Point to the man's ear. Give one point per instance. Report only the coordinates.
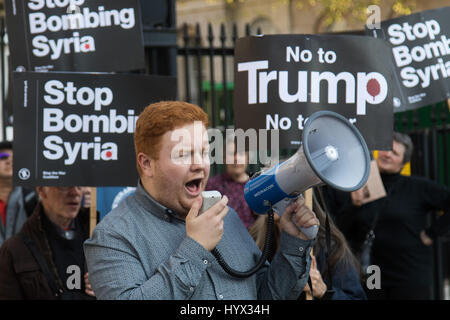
(41, 192)
(146, 164)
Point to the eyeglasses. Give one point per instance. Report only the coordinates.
(4, 155)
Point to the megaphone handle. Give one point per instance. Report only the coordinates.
(310, 232)
(279, 207)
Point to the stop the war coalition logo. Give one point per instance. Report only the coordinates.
(420, 50)
(77, 129)
(282, 79)
(75, 35)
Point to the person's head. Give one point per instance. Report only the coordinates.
(393, 161)
(172, 153)
(6, 160)
(61, 204)
(236, 161)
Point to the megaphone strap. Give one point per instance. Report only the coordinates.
(327, 236)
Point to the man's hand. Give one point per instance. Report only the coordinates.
(302, 217)
(207, 228)
(357, 197)
(426, 240)
(88, 289)
(319, 286)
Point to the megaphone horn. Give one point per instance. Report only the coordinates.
(333, 152)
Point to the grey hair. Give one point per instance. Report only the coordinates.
(405, 140)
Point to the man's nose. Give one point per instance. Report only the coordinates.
(386, 153)
(75, 191)
(389, 153)
(199, 162)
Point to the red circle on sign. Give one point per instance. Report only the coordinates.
(373, 88)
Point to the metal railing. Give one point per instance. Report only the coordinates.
(199, 60)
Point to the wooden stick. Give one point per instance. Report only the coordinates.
(308, 195)
(93, 211)
(309, 295)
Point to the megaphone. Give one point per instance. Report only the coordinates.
(333, 152)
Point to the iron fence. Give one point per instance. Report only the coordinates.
(204, 85)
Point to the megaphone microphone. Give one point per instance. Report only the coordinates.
(333, 152)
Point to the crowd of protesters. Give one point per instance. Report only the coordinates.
(157, 245)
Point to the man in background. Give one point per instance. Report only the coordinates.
(45, 260)
(401, 247)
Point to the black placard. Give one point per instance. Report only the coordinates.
(420, 51)
(75, 35)
(77, 128)
(280, 80)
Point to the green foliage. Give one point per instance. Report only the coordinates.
(333, 11)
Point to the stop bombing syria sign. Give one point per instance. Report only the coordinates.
(280, 80)
(420, 51)
(77, 128)
(75, 35)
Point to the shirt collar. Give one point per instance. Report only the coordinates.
(153, 206)
(68, 234)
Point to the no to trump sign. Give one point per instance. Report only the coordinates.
(280, 80)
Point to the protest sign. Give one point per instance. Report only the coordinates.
(420, 51)
(372, 190)
(75, 35)
(280, 80)
(77, 128)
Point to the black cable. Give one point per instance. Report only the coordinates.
(262, 260)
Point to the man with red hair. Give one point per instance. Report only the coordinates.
(156, 245)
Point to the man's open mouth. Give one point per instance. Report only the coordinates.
(194, 186)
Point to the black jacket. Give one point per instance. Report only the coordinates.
(397, 249)
(21, 276)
